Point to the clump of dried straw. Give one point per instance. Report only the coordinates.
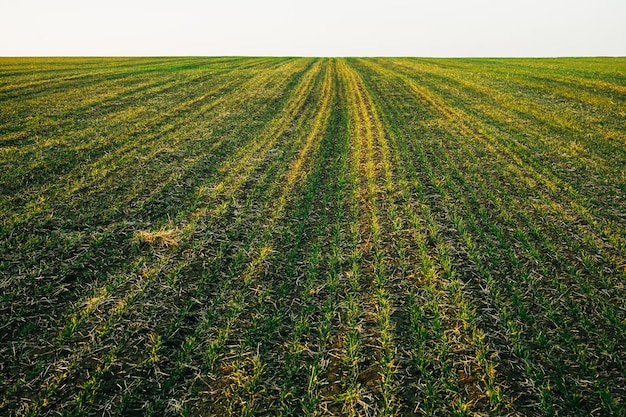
(163, 238)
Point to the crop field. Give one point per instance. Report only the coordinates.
(308, 237)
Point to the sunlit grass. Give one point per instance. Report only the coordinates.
(282, 236)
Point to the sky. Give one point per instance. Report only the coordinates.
(425, 28)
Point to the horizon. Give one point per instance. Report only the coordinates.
(318, 57)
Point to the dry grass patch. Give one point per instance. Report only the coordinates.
(163, 238)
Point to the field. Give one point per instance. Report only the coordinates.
(294, 236)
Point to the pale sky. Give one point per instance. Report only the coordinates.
(436, 28)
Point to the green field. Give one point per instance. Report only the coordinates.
(291, 236)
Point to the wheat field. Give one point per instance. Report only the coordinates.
(305, 237)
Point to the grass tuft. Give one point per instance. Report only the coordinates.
(163, 238)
